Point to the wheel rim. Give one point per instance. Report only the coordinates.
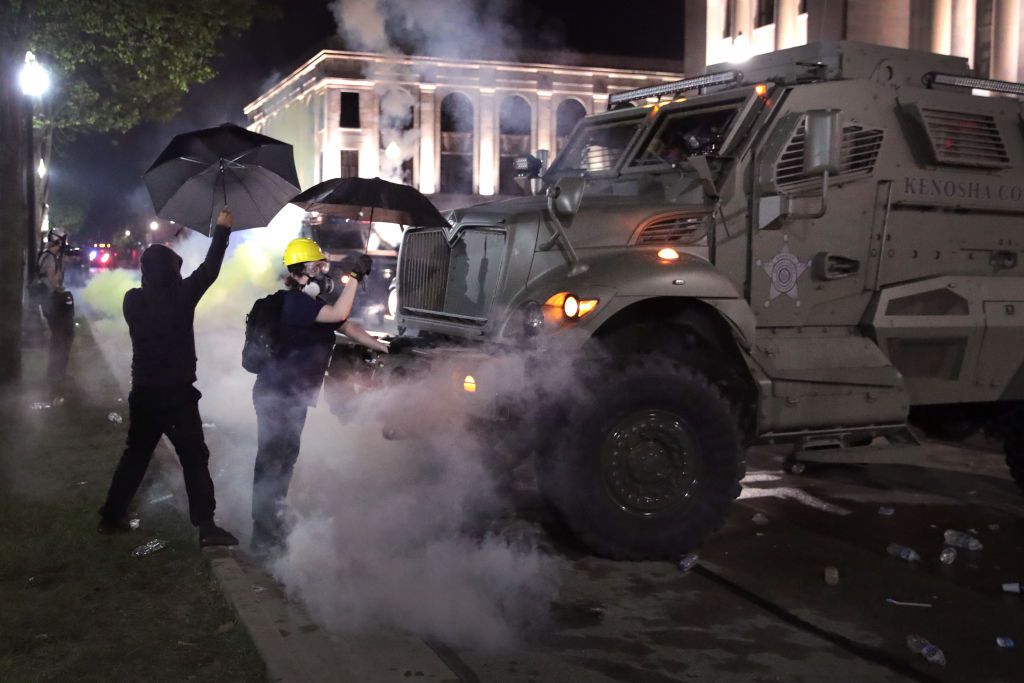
(650, 462)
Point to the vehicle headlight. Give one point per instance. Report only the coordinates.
(393, 302)
(566, 306)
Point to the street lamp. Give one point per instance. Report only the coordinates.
(34, 81)
(127, 233)
(153, 225)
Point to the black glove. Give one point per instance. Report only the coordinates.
(399, 344)
(362, 267)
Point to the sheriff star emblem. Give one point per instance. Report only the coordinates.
(784, 270)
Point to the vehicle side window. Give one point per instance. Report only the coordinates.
(686, 133)
(598, 148)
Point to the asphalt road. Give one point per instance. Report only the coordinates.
(757, 607)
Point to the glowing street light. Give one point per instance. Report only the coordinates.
(34, 79)
(127, 233)
(153, 225)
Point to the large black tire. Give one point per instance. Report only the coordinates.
(648, 465)
(1013, 446)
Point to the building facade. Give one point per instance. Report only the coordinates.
(448, 127)
(986, 32)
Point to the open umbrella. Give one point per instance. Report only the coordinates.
(371, 199)
(201, 172)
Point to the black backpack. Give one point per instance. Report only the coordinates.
(262, 332)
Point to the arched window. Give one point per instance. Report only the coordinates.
(457, 124)
(515, 124)
(399, 136)
(568, 115)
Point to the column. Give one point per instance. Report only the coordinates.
(488, 170)
(942, 26)
(545, 122)
(331, 134)
(429, 157)
(369, 117)
(962, 43)
(744, 29)
(786, 12)
(1005, 40)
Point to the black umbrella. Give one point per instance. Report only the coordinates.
(201, 172)
(371, 199)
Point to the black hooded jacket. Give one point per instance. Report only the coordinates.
(161, 312)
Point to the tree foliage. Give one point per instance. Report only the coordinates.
(117, 62)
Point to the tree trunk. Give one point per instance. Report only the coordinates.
(13, 216)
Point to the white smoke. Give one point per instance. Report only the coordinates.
(392, 534)
(467, 29)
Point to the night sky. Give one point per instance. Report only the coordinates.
(103, 171)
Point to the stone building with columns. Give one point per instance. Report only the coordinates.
(449, 127)
(986, 32)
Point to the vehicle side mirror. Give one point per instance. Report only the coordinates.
(565, 197)
(822, 142)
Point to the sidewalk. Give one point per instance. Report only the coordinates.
(77, 605)
(293, 648)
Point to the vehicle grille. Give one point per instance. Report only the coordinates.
(674, 229)
(858, 154)
(454, 282)
(424, 270)
(965, 139)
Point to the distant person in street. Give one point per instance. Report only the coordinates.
(289, 384)
(163, 399)
(58, 307)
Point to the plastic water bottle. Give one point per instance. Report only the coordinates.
(923, 647)
(903, 552)
(959, 539)
(948, 555)
(688, 562)
(1005, 642)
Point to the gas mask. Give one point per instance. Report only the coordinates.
(319, 285)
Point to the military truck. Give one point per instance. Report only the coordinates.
(812, 248)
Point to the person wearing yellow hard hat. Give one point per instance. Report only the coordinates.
(288, 382)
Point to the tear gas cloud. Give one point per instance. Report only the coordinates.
(403, 535)
(440, 28)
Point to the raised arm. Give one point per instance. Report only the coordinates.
(200, 280)
(339, 311)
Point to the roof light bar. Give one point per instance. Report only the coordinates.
(675, 87)
(974, 83)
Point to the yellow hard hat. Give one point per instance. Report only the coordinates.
(302, 250)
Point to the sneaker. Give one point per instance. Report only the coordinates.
(211, 534)
(108, 528)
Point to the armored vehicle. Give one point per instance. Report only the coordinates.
(816, 247)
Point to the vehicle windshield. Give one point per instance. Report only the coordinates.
(686, 133)
(597, 147)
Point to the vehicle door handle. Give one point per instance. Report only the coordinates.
(828, 266)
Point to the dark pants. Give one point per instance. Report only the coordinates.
(59, 309)
(153, 413)
(279, 423)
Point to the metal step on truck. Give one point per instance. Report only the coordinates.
(817, 247)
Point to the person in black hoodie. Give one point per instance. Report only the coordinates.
(163, 399)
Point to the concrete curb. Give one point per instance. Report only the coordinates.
(295, 649)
